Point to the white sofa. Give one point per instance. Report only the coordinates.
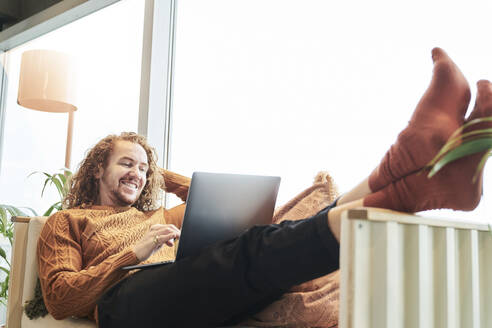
(26, 233)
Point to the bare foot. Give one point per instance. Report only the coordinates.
(439, 113)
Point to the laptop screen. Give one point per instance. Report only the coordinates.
(222, 206)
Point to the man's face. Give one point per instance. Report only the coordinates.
(121, 182)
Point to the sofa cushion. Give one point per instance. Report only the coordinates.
(313, 303)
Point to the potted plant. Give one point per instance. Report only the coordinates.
(61, 182)
(7, 232)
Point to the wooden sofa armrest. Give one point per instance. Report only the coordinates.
(20, 219)
(17, 269)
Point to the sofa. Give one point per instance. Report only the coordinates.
(319, 195)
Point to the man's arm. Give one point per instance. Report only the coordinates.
(175, 183)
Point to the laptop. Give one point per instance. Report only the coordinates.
(220, 207)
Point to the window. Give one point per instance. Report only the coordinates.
(108, 46)
(288, 88)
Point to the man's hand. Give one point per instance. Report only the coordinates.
(158, 235)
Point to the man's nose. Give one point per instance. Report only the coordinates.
(135, 171)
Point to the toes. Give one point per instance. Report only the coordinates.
(483, 83)
(483, 103)
(438, 54)
(449, 91)
(484, 96)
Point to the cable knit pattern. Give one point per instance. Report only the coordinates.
(80, 253)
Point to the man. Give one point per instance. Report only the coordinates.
(112, 222)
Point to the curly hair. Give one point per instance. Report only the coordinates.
(84, 186)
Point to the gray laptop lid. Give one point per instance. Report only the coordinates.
(221, 206)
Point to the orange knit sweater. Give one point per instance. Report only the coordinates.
(81, 251)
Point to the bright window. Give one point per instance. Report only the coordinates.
(290, 88)
(108, 48)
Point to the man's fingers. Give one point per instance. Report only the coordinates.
(167, 229)
(163, 227)
(166, 238)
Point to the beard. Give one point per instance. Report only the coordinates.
(118, 191)
(124, 199)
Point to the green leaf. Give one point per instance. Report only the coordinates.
(3, 225)
(7, 227)
(14, 211)
(465, 149)
(2, 253)
(3, 213)
(34, 213)
(56, 205)
(470, 123)
(3, 217)
(59, 180)
(481, 165)
(4, 288)
(457, 136)
(457, 141)
(9, 210)
(35, 172)
(62, 178)
(44, 186)
(7, 271)
(58, 185)
(20, 212)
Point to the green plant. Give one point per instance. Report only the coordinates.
(61, 182)
(463, 144)
(7, 230)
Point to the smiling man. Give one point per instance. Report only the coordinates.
(113, 219)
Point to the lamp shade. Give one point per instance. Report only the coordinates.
(47, 81)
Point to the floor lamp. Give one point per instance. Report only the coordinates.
(47, 83)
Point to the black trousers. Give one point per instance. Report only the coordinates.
(225, 282)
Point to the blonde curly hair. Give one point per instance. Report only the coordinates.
(84, 186)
